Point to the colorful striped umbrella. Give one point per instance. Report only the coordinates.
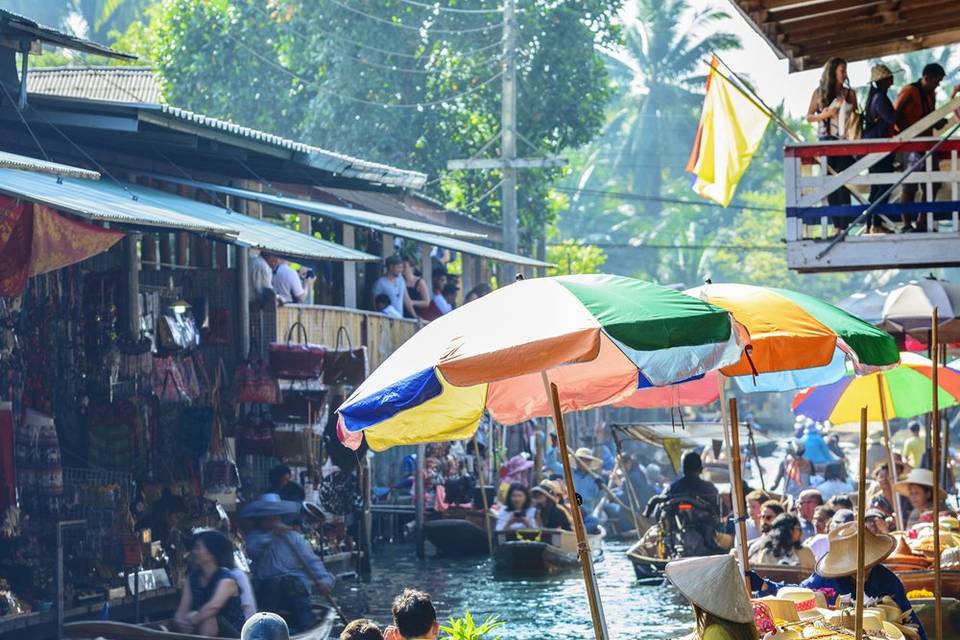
(796, 340)
(907, 392)
(598, 337)
(695, 393)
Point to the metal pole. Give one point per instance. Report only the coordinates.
(739, 508)
(243, 298)
(861, 530)
(586, 561)
(935, 465)
(24, 70)
(367, 518)
(133, 284)
(419, 497)
(508, 136)
(891, 461)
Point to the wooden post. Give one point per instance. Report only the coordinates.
(861, 530)
(420, 499)
(540, 443)
(349, 270)
(891, 461)
(483, 493)
(736, 494)
(586, 561)
(935, 465)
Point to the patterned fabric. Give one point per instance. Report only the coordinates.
(39, 469)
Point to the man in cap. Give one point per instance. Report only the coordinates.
(285, 568)
(879, 122)
(837, 570)
(265, 626)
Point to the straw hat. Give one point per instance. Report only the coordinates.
(784, 611)
(550, 488)
(805, 601)
(879, 72)
(874, 621)
(713, 583)
(922, 477)
(585, 456)
(270, 504)
(841, 558)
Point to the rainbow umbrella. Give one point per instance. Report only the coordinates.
(907, 392)
(598, 338)
(796, 340)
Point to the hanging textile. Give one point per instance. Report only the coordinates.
(35, 239)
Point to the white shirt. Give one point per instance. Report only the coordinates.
(247, 600)
(393, 290)
(830, 488)
(392, 312)
(261, 277)
(503, 517)
(287, 284)
(819, 544)
(442, 303)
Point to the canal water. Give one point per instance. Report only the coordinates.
(553, 608)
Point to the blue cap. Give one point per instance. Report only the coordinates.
(265, 626)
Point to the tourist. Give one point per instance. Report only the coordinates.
(282, 484)
(822, 517)
(392, 285)
(882, 488)
(794, 471)
(837, 570)
(916, 101)
(816, 449)
(285, 568)
(477, 292)
(261, 281)
(417, 289)
(818, 543)
(831, 105)
(210, 600)
(361, 629)
(918, 488)
(755, 500)
(585, 481)
(381, 304)
(834, 481)
(690, 484)
(914, 446)
(551, 512)
(636, 476)
(770, 510)
(876, 521)
(288, 286)
(879, 121)
(840, 501)
(265, 626)
(721, 610)
(414, 617)
(439, 281)
(808, 502)
(783, 545)
(449, 294)
(518, 512)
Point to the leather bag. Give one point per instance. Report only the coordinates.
(345, 366)
(254, 382)
(298, 360)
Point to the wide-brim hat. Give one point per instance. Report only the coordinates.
(517, 464)
(714, 584)
(922, 477)
(550, 488)
(841, 556)
(270, 504)
(804, 600)
(585, 456)
(879, 72)
(784, 611)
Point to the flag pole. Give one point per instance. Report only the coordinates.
(751, 95)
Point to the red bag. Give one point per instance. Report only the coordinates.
(345, 366)
(253, 382)
(255, 435)
(297, 360)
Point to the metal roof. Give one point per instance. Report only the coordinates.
(134, 205)
(418, 231)
(26, 163)
(14, 26)
(110, 84)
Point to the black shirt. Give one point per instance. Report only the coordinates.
(693, 487)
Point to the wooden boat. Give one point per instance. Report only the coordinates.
(458, 534)
(541, 551)
(923, 579)
(108, 630)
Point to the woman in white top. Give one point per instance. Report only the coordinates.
(518, 512)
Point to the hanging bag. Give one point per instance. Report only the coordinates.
(255, 434)
(297, 360)
(345, 366)
(218, 474)
(254, 382)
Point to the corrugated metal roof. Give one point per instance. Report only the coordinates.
(110, 201)
(12, 24)
(420, 232)
(355, 217)
(110, 84)
(26, 163)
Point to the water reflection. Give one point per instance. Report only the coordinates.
(534, 608)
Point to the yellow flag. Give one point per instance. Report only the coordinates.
(730, 131)
(673, 449)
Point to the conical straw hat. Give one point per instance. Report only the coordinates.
(713, 583)
(841, 558)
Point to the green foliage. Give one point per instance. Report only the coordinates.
(573, 256)
(466, 629)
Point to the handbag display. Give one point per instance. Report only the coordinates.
(219, 475)
(177, 332)
(297, 360)
(300, 406)
(345, 366)
(296, 444)
(217, 330)
(255, 435)
(254, 382)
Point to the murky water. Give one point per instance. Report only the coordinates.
(552, 608)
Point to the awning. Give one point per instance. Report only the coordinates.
(26, 163)
(418, 231)
(692, 434)
(134, 205)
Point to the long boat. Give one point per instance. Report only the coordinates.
(107, 630)
(458, 533)
(542, 551)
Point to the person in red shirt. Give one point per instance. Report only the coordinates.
(916, 101)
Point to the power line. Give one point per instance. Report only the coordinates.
(410, 105)
(440, 8)
(622, 195)
(627, 245)
(400, 25)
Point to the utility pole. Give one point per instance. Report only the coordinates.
(508, 163)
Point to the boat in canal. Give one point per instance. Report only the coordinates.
(109, 630)
(542, 551)
(458, 533)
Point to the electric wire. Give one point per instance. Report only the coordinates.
(16, 108)
(442, 9)
(420, 29)
(622, 195)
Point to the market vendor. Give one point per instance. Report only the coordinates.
(837, 570)
(285, 568)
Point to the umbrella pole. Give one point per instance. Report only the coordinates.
(861, 531)
(635, 508)
(586, 561)
(891, 461)
(483, 493)
(935, 465)
(739, 508)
